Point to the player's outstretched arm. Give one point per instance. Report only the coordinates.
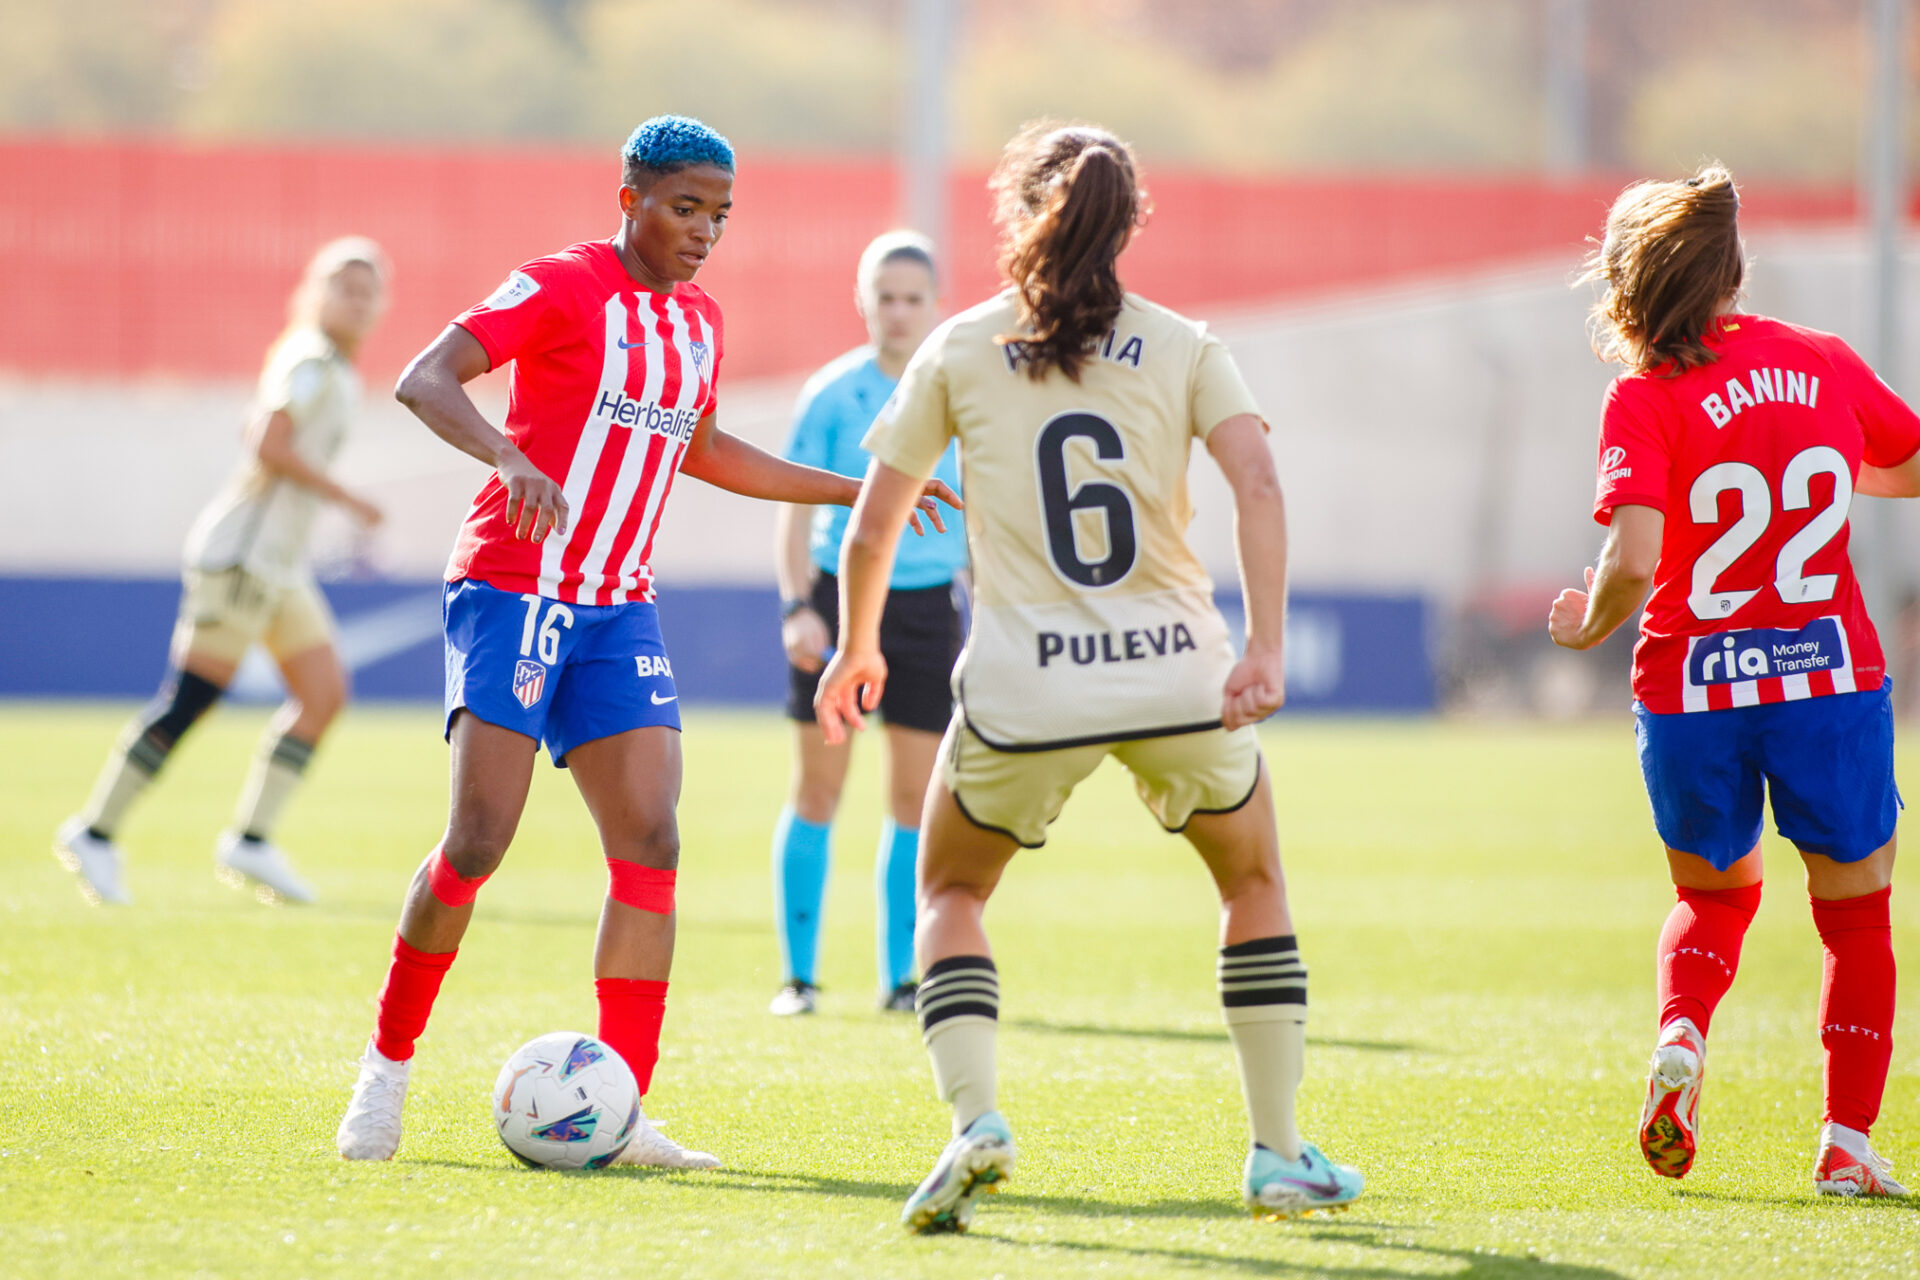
(854, 679)
(1617, 589)
(728, 462)
(434, 387)
(1257, 685)
(271, 438)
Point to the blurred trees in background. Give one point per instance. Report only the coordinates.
(1770, 86)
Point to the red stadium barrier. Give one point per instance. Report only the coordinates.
(138, 258)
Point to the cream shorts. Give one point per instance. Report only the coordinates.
(1020, 793)
(224, 612)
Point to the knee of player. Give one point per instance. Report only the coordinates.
(179, 705)
(905, 801)
(475, 849)
(815, 801)
(1251, 878)
(320, 705)
(937, 889)
(654, 845)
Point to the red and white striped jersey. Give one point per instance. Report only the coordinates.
(609, 381)
(1753, 460)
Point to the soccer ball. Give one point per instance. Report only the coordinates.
(566, 1101)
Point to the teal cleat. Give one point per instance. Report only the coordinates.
(980, 1159)
(1279, 1188)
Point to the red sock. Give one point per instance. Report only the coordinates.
(407, 999)
(631, 1010)
(1700, 950)
(1856, 1004)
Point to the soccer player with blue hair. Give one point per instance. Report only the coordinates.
(551, 631)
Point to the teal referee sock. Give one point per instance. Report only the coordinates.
(801, 852)
(893, 883)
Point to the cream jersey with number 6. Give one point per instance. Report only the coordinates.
(1093, 619)
(260, 522)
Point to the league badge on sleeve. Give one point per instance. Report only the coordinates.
(529, 681)
(514, 290)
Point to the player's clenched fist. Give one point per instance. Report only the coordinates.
(1256, 688)
(1569, 616)
(535, 503)
(805, 638)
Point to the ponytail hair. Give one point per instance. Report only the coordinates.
(1068, 198)
(1671, 256)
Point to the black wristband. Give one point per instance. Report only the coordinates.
(792, 605)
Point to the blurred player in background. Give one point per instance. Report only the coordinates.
(1094, 633)
(247, 580)
(551, 631)
(1730, 452)
(897, 291)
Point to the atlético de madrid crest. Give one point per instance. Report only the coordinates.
(700, 355)
(529, 680)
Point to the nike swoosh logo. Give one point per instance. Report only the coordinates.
(1330, 1187)
(659, 701)
(628, 346)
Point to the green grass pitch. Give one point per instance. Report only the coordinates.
(1478, 905)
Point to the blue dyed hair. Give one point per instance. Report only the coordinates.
(668, 144)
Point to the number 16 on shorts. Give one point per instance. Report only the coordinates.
(561, 673)
(530, 677)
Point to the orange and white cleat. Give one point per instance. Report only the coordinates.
(1670, 1120)
(1847, 1166)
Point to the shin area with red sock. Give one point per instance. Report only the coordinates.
(1700, 950)
(1856, 1004)
(414, 978)
(413, 981)
(632, 1009)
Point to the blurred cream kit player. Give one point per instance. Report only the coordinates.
(246, 580)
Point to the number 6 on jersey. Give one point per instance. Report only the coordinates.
(1059, 504)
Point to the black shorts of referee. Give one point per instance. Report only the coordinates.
(919, 638)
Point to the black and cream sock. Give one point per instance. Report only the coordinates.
(959, 1006)
(144, 747)
(277, 769)
(1263, 988)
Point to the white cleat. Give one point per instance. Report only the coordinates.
(371, 1128)
(95, 861)
(979, 1160)
(1847, 1166)
(797, 997)
(651, 1149)
(238, 860)
(1670, 1117)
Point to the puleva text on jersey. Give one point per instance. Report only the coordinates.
(1133, 644)
(1779, 386)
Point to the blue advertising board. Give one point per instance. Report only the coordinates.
(107, 638)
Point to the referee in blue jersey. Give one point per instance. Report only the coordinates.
(898, 294)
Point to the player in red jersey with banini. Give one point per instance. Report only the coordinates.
(551, 633)
(1730, 452)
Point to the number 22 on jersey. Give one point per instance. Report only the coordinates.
(1706, 600)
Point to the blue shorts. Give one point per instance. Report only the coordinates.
(1826, 764)
(562, 674)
